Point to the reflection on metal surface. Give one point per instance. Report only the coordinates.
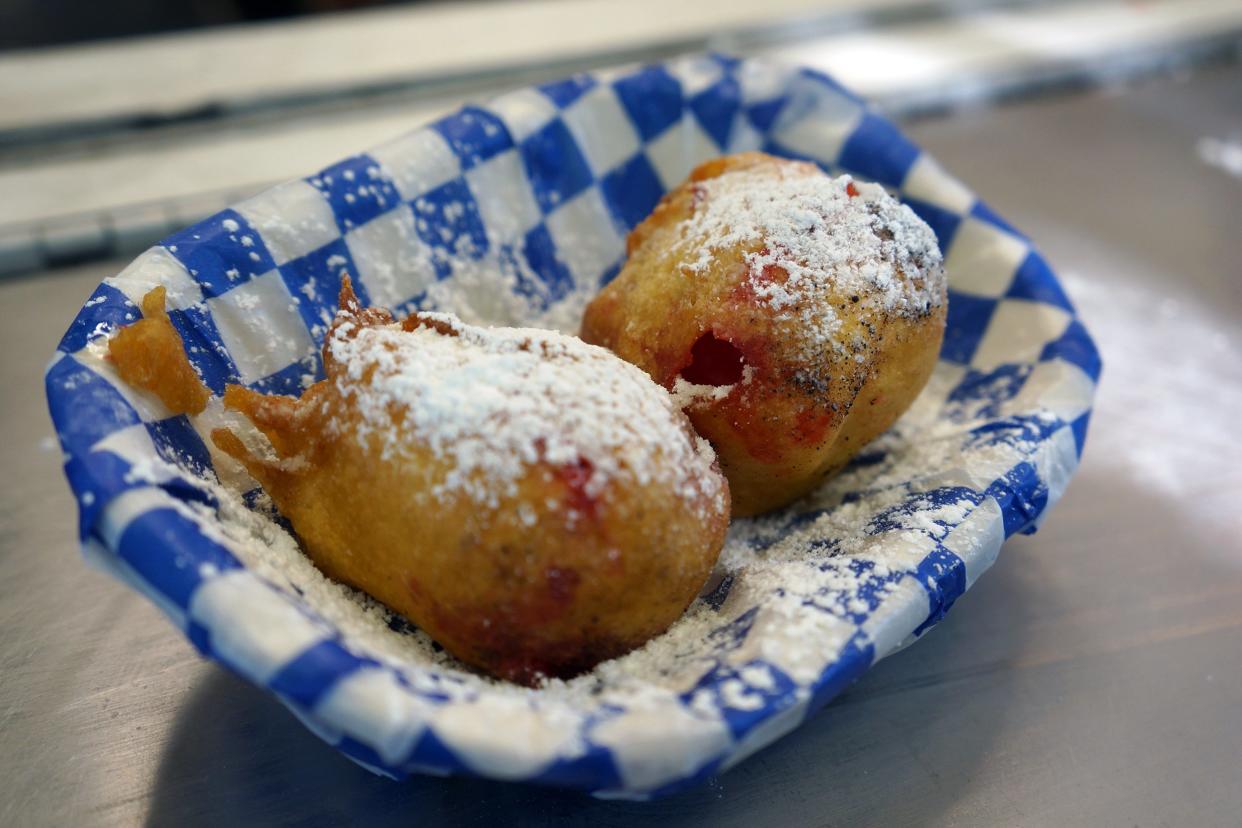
(1182, 399)
(1224, 154)
(1115, 69)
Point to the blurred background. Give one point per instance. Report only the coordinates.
(123, 121)
(25, 23)
(1094, 677)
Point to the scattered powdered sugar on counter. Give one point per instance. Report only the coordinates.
(1224, 154)
(497, 400)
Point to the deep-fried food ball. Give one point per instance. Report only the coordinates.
(533, 503)
(795, 315)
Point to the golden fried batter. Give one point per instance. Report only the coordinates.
(533, 503)
(149, 354)
(794, 315)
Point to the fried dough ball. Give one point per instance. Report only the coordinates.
(533, 503)
(794, 315)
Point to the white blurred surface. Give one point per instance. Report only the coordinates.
(91, 181)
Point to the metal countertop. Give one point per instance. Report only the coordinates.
(1092, 677)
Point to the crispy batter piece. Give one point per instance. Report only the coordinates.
(150, 355)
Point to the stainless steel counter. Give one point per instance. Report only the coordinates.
(1093, 677)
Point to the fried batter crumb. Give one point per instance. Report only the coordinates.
(150, 355)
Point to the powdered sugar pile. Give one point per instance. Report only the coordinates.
(494, 401)
(830, 237)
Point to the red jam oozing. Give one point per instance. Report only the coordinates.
(850, 189)
(500, 635)
(698, 194)
(575, 476)
(714, 362)
(811, 426)
(562, 583)
(754, 278)
(756, 435)
(768, 274)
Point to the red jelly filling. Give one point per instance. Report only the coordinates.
(714, 362)
(575, 476)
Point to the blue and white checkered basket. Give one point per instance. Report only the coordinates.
(550, 179)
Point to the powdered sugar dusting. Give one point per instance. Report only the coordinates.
(790, 591)
(795, 592)
(809, 237)
(688, 395)
(497, 400)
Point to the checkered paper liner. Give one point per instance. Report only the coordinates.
(549, 180)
